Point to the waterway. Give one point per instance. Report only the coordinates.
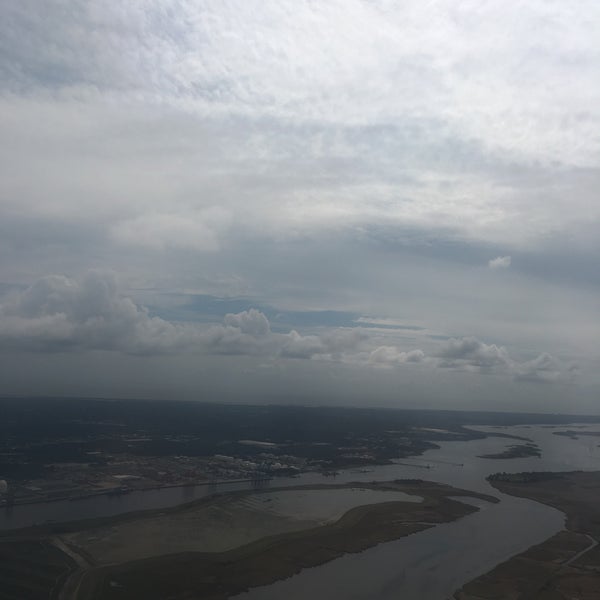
(433, 564)
(429, 565)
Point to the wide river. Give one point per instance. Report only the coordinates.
(429, 565)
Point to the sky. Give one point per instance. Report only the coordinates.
(359, 202)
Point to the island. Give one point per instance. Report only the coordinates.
(516, 451)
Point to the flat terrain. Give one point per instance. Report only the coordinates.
(270, 557)
(567, 566)
(225, 522)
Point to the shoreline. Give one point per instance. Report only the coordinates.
(118, 492)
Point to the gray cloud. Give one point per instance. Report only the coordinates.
(500, 262)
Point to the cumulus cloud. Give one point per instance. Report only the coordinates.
(246, 332)
(500, 262)
(61, 314)
(251, 321)
(298, 346)
(392, 356)
(544, 369)
(333, 344)
(471, 354)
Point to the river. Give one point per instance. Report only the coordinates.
(429, 565)
(433, 564)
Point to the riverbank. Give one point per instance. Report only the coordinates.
(124, 491)
(565, 566)
(219, 575)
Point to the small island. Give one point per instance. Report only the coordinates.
(516, 451)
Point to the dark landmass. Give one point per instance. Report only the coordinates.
(565, 566)
(219, 575)
(516, 451)
(56, 448)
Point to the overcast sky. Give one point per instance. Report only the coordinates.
(341, 201)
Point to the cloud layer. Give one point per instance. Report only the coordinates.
(58, 314)
(423, 176)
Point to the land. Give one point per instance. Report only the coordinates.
(225, 522)
(566, 566)
(54, 449)
(68, 448)
(516, 451)
(255, 557)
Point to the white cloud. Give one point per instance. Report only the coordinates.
(252, 321)
(471, 354)
(469, 351)
(544, 368)
(391, 356)
(322, 63)
(332, 344)
(60, 314)
(294, 117)
(500, 262)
